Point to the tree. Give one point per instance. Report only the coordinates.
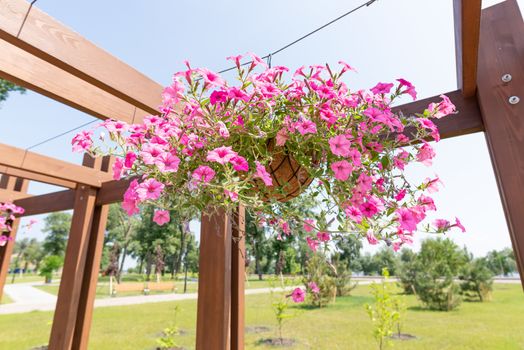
(386, 258)
(368, 265)
(56, 227)
(257, 243)
(6, 87)
(34, 254)
(349, 247)
(501, 262)
(477, 279)
(20, 250)
(50, 264)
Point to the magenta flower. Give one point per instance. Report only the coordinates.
(459, 225)
(307, 127)
(211, 78)
(167, 163)
(345, 67)
(407, 219)
(150, 189)
(368, 209)
(173, 93)
(425, 154)
(161, 217)
(203, 174)
(442, 224)
(298, 295)
(442, 109)
(342, 169)
(282, 137)
(236, 59)
(312, 243)
(382, 88)
(130, 201)
(129, 159)
(371, 238)
(222, 155)
(410, 89)
(314, 288)
(118, 166)
(354, 214)
(82, 142)
(340, 145)
(323, 236)
(232, 195)
(263, 174)
(240, 163)
(309, 225)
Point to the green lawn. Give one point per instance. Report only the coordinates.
(6, 299)
(344, 325)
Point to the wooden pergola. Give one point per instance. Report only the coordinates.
(43, 55)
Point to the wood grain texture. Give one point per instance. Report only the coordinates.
(66, 311)
(36, 177)
(45, 37)
(238, 276)
(24, 69)
(33, 162)
(502, 51)
(214, 282)
(11, 196)
(12, 184)
(47, 203)
(468, 119)
(466, 15)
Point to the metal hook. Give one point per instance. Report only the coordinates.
(269, 60)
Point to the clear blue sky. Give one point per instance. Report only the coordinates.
(411, 39)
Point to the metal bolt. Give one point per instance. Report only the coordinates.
(514, 100)
(506, 78)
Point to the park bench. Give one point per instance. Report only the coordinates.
(145, 287)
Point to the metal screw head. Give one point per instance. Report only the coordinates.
(506, 78)
(514, 100)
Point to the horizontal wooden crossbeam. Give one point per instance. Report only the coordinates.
(30, 29)
(47, 203)
(17, 158)
(36, 177)
(10, 196)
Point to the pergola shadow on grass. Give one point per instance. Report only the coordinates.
(41, 54)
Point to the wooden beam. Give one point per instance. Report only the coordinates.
(33, 162)
(47, 203)
(112, 191)
(11, 196)
(214, 282)
(66, 311)
(7, 251)
(466, 14)
(92, 265)
(502, 52)
(468, 119)
(32, 30)
(36, 177)
(238, 276)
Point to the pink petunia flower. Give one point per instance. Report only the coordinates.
(282, 137)
(459, 225)
(211, 78)
(263, 174)
(371, 238)
(161, 217)
(222, 155)
(203, 174)
(150, 189)
(232, 195)
(442, 224)
(82, 141)
(408, 219)
(314, 288)
(342, 169)
(426, 154)
(312, 243)
(306, 127)
(240, 163)
(410, 88)
(309, 225)
(298, 295)
(323, 236)
(118, 166)
(340, 145)
(382, 88)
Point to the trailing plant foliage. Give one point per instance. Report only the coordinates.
(7, 216)
(213, 146)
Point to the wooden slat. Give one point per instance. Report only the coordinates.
(92, 265)
(47, 203)
(11, 196)
(214, 282)
(7, 251)
(71, 282)
(467, 121)
(112, 191)
(48, 39)
(24, 69)
(29, 161)
(36, 177)
(238, 275)
(502, 51)
(466, 14)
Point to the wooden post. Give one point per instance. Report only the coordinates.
(501, 52)
(238, 274)
(19, 185)
(92, 267)
(214, 282)
(72, 281)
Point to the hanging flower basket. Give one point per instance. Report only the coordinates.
(273, 136)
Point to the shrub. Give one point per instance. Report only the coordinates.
(477, 280)
(320, 273)
(50, 264)
(342, 277)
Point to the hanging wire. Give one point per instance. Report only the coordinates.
(267, 57)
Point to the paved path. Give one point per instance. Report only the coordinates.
(27, 298)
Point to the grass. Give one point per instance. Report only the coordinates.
(6, 299)
(344, 325)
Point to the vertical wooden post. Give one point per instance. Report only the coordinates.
(238, 272)
(501, 51)
(214, 282)
(14, 184)
(92, 267)
(66, 312)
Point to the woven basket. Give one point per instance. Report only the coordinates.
(285, 172)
